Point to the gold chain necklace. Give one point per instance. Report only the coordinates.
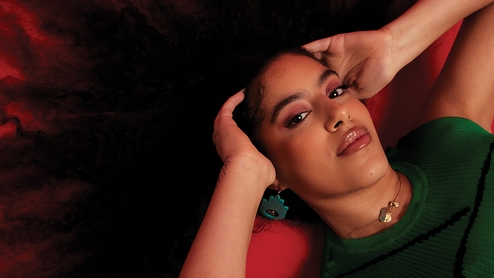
(384, 213)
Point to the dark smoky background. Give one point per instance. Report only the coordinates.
(113, 171)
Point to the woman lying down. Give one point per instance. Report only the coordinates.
(422, 209)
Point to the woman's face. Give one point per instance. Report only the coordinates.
(321, 140)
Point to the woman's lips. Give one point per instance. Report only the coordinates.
(354, 140)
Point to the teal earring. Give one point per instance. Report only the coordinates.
(273, 208)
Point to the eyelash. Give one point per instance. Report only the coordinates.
(297, 119)
(343, 88)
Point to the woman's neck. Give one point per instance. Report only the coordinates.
(356, 215)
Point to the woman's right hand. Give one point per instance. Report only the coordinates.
(239, 155)
(364, 60)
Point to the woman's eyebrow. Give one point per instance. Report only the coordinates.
(284, 102)
(324, 75)
(291, 98)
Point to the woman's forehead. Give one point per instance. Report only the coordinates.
(294, 60)
(290, 72)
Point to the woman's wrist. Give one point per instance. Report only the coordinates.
(253, 175)
(405, 41)
(415, 30)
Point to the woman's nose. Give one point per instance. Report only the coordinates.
(337, 115)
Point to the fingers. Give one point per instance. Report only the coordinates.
(226, 111)
(232, 102)
(318, 46)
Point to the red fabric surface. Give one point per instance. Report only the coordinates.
(284, 249)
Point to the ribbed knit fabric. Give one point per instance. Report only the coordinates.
(448, 229)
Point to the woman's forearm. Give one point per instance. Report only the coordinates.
(220, 247)
(221, 244)
(465, 87)
(423, 23)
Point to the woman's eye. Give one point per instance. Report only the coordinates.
(337, 92)
(298, 119)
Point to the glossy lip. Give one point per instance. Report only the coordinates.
(355, 139)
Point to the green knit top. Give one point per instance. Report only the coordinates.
(448, 229)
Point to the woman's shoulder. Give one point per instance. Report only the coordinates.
(447, 130)
(453, 141)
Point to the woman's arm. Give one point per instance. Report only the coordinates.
(465, 86)
(369, 60)
(220, 247)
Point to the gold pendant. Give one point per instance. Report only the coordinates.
(384, 215)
